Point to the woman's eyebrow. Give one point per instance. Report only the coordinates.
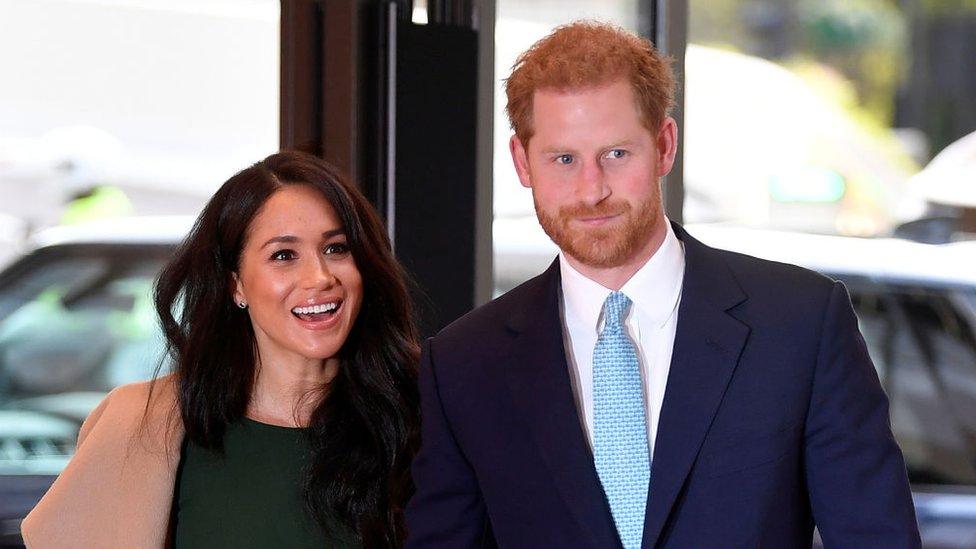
(291, 239)
(287, 239)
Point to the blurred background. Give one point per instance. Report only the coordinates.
(837, 135)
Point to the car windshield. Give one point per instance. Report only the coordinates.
(75, 322)
(923, 342)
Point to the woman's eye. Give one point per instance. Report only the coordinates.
(283, 255)
(564, 159)
(336, 248)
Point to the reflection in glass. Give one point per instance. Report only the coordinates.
(74, 324)
(923, 342)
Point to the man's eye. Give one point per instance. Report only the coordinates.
(564, 159)
(336, 248)
(283, 255)
(616, 153)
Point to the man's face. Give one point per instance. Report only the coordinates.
(594, 172)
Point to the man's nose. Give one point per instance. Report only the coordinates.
(592, 185)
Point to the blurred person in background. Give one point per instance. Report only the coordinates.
(291, 413)
(94, 203)
(646, 390)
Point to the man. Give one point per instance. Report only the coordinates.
(646, 390)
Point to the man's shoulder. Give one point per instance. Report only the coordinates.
(753, 275)
(755, 270)
(776, 286)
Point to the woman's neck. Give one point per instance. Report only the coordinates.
(286, 392)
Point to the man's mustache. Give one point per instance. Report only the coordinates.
(603, 209)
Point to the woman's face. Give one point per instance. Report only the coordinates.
(298, 277)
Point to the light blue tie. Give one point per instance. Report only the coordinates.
(620, 448)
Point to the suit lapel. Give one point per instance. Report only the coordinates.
(538, 379)
(707, 345)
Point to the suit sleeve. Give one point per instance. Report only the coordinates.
(447, 509)
(855, 472)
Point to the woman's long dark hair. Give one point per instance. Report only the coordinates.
(364, 431)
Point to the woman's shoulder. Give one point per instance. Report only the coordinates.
(160, 387)
(153, 401)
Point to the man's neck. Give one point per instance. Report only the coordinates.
(615, 277)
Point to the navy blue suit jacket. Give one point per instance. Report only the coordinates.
(773, 421)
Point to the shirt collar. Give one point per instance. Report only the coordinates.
(654, 289)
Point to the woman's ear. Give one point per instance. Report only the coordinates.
(238, 290)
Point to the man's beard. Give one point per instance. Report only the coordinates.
(602, 247)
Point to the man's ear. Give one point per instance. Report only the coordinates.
(666, 143)
(520, 158)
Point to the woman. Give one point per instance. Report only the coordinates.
(291, 414)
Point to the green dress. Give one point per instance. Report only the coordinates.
(251, 496)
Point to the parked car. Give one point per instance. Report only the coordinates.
(916, 306)
(76, 320)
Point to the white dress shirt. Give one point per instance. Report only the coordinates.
(655, 291)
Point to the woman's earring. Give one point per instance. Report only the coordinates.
(242, 305)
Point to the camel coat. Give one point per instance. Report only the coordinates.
(117, 490)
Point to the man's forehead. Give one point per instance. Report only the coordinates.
(585, 116)
(568, 90)
(612, 101)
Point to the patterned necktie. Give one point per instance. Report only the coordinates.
(620, 448)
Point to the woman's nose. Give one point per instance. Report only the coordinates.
(318, 275)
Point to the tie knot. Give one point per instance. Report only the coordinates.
(614, 308)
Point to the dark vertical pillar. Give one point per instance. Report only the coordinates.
(435, 171)
(325, 60)
(301, 76)
(343, 57)
(484, 281)
(665, 23)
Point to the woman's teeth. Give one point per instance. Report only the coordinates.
(324, 308)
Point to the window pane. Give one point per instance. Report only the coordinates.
(819, 116)
(140, 106)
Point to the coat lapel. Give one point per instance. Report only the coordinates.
(538, 379)
(707, 345)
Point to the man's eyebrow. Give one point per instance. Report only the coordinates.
(291, 239)
(624, 143)
(558, 150)
(568, 150)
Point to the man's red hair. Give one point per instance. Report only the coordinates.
(588, 54)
